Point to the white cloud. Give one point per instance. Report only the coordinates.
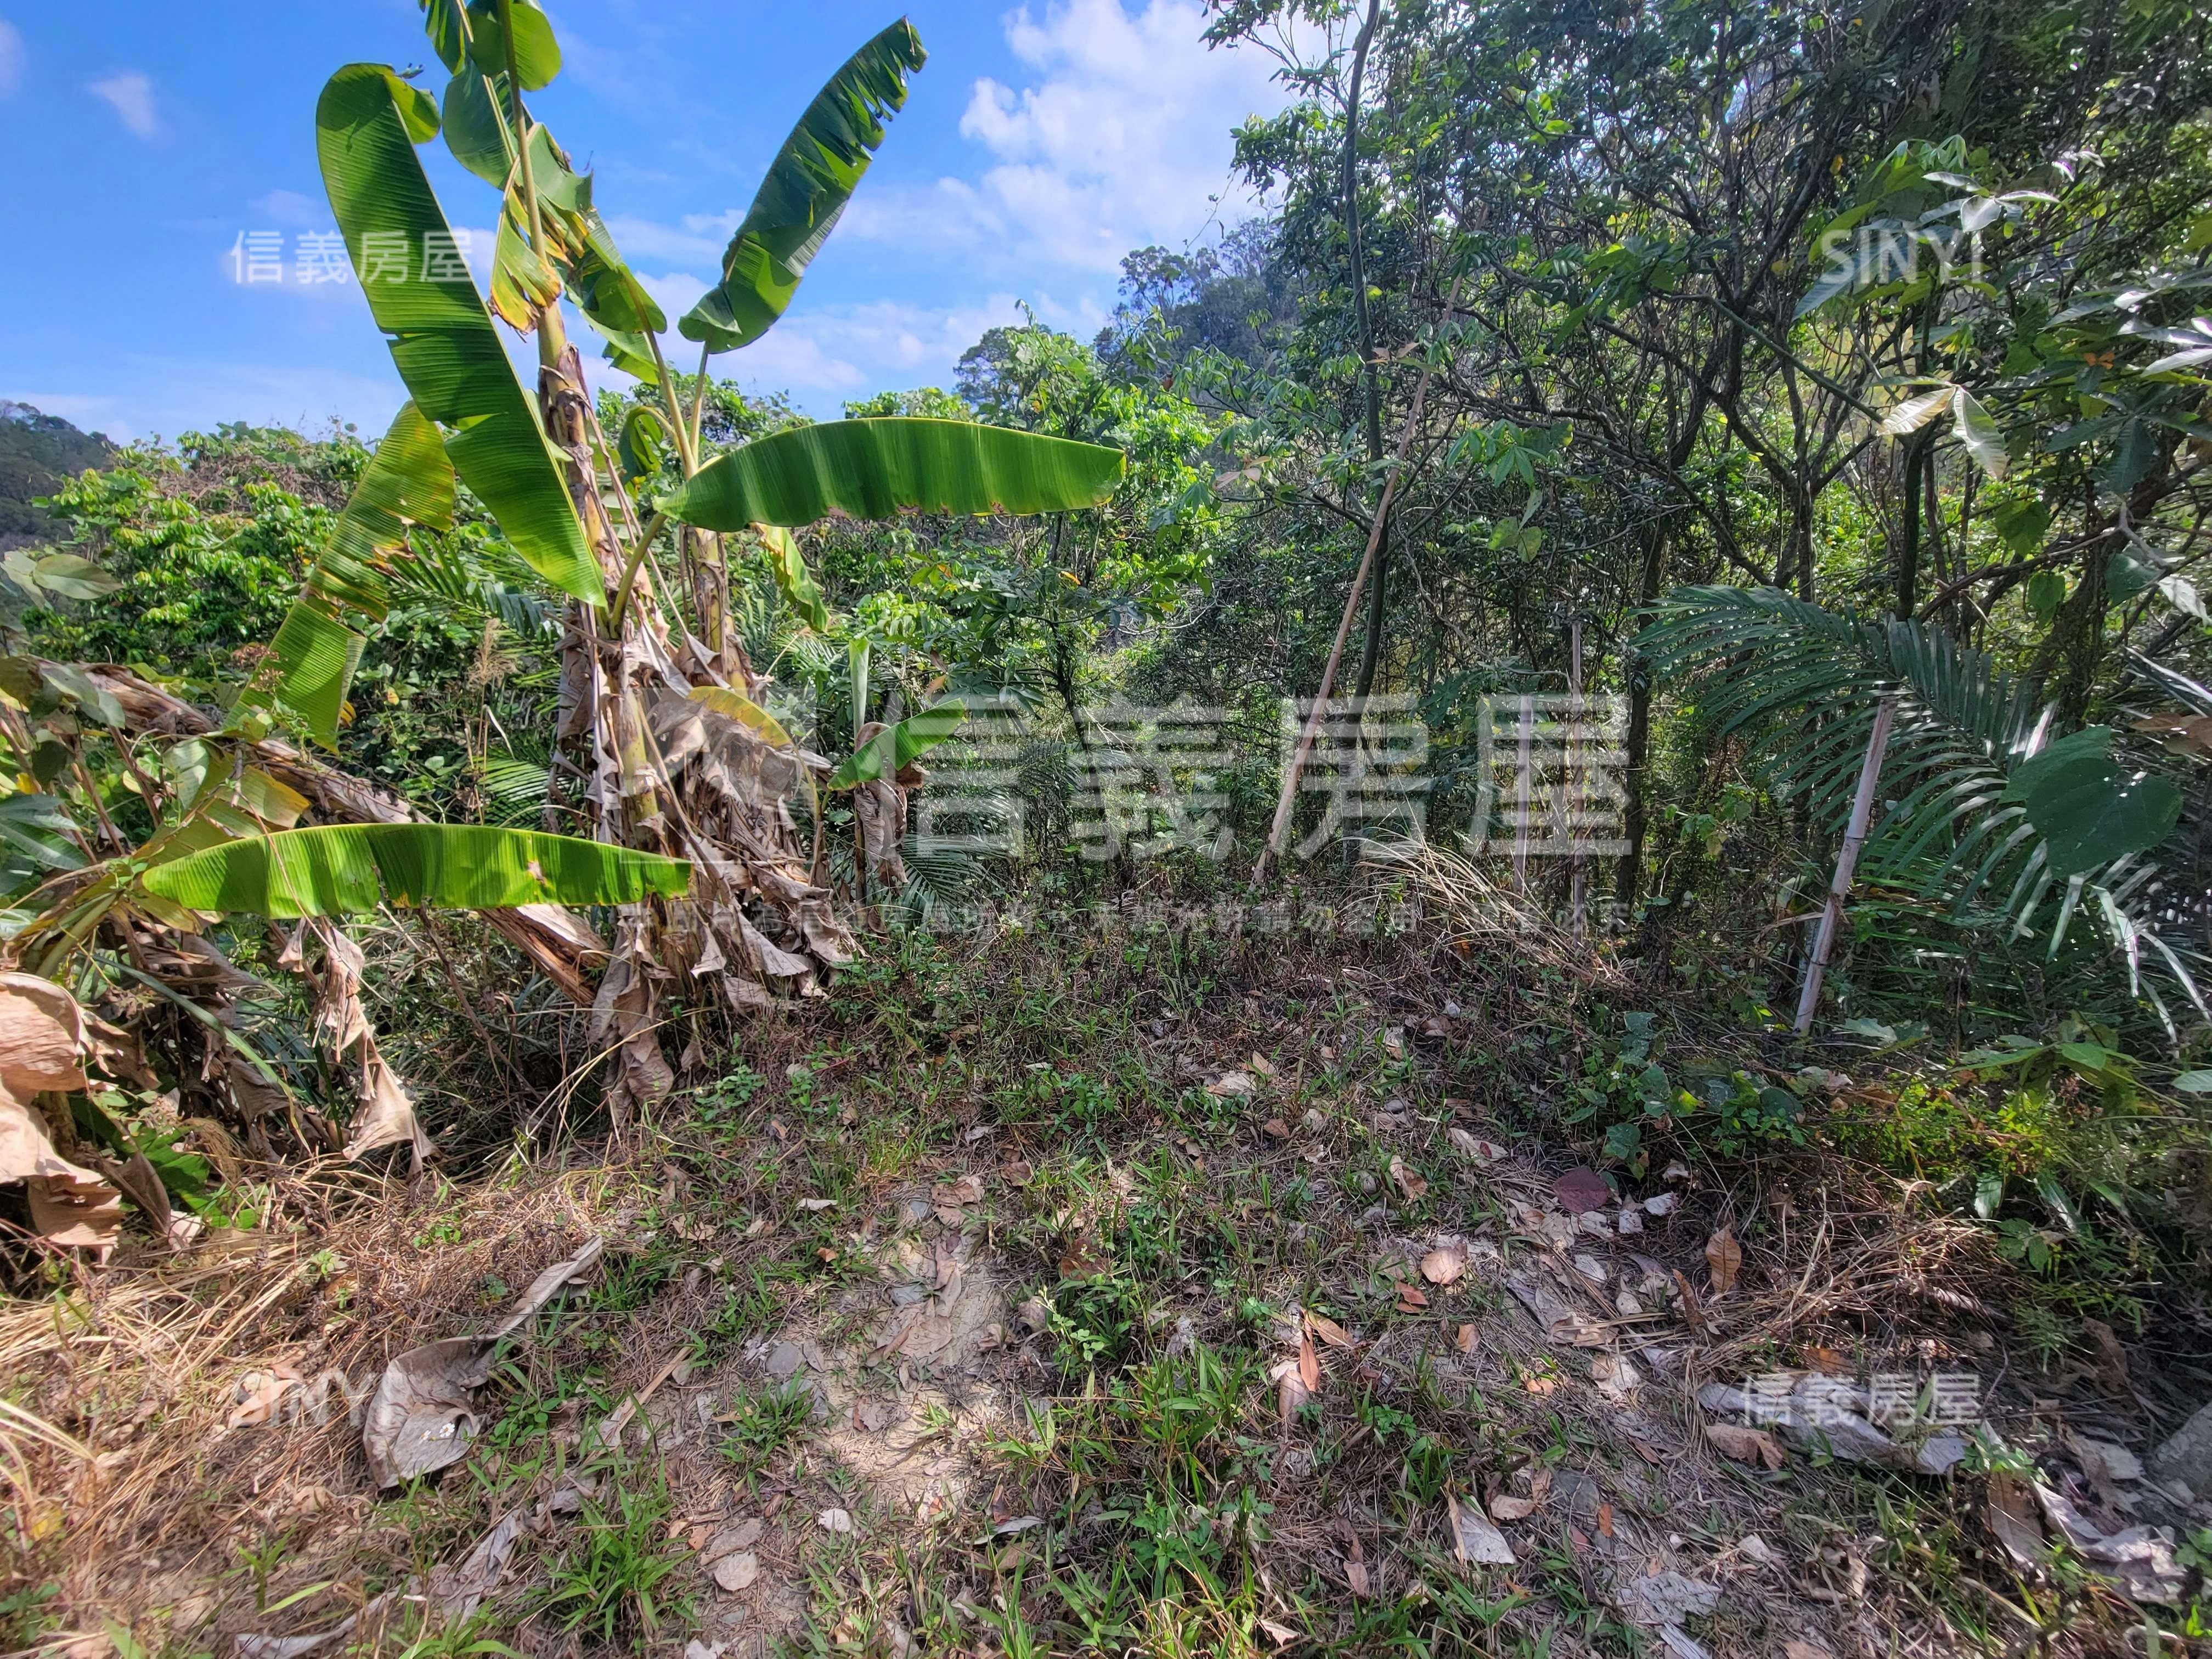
(130, 94)
(11, 57)
(289, 207)
(1122, 139)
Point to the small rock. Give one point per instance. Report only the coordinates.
(784, 1361)
(1626, 1305)
(2186, 1455)
(916, 1211)
(834, 1521)
(1755, 1548)
(2117, 1461)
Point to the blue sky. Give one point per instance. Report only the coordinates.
(145, 140)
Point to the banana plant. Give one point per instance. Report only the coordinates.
(655, 751)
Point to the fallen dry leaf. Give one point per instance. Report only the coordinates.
(1279, 1129)
(1828, 1360)
(1017, 1173)
(1262, 1064)
(834, 1521)
(968, 1190)
(1290, 1392)
(1580, 1191)
(1443, 1267)
(1309, 1362)
(1725, 1257)
(1463, 1339)
(1797, 1647)
(1411, 1298)
(1410, 1181)
(1745, 1445)
(1474, 1145)
(1474, 1540)
(1506, 1508)
(1232, 1085)
(1328, 1330)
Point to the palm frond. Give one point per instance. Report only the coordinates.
(1799, 684)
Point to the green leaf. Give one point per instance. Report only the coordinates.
(441, 338)
(792, 579)
(334, 869)
(812, 178)
(34, 839)
(2046, 592)
(537, 54)
(856, 671)
(2088, 810)
(1972, 425)
(1916, 412)
(643, 443)
(476, 125)
(2194, 1083)
(442, 22)
(2127, 577)
(71, 576)
(896, 747)
(409, 481)
(1989, 1193)
(877, 469)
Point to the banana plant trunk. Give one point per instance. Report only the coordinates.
(657, 769)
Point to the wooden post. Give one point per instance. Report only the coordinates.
(1578, 870)
(1847, 864)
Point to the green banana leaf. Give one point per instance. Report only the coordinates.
(895, 747)
(792, 579)
(476, 131)
(806, 190)
(643, 446)
(367, 125)
(408, 481)
(449, 36)
(877, 469)
(537, 53)
(334, 869)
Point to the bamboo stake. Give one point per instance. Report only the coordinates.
(1847, 864)
(1279, 832)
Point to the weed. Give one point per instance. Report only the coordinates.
(612, 1578)
(763, 1422)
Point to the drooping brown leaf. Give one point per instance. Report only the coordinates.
(1309, 1363)
(1724, 1256)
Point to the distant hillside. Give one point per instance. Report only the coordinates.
(36, 451)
